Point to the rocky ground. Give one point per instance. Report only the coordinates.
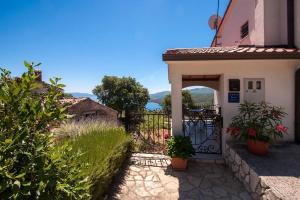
(151, 177)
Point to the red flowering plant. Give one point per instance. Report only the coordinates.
(261, 122)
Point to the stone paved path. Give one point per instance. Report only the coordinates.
(151, 177)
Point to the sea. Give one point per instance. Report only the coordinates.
(153, 106)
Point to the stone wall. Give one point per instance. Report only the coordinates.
(242, 171)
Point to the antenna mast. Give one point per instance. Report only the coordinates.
(217, 23)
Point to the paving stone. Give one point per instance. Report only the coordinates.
(141, 192)
(185, 186)
(152, 185)
(238, 159)
(156, 191)
(245, 167)
(149, 178)
(171, 187)
(134, 169)
(245, 196)
(247, 179)
(254, 180)
(219, 192)
(194, 181)
(200, 181)
(138, 178)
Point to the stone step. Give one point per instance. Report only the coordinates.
(208, 158)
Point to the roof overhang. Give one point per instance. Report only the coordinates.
(230, 53)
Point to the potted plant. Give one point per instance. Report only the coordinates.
(179, 148)
(258, 125)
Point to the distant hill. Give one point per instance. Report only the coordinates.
(199, 95)
(158, 97)
(79, 94)
(201, 91)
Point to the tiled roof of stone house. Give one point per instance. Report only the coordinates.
(81, 106)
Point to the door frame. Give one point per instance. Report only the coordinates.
(297, 106)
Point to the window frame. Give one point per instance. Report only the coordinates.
(243, 33)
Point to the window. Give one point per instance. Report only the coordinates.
(250, 85)
(245, 30)
(258, 85)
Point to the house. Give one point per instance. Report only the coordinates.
(253, 57)
(86, 108)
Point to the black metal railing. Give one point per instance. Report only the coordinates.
(152, 129)
(204, 127)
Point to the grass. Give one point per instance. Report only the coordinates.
(105, 147)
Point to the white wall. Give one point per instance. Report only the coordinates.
(176, 99)
(297, 23)
(211, 84)
(279, 78)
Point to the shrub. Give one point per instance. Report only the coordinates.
(73, 129)
(125, 95)
(29, 166)
(180, 147)
(104, 145)
(261, 122)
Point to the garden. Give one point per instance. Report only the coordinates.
(45, 156)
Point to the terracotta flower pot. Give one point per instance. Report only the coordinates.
(258, 147)
(179, 164)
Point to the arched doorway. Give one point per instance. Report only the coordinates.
(202, 121)
(297, 107)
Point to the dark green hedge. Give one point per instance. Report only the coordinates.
(101, 181)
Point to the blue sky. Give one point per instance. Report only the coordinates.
(83, 40)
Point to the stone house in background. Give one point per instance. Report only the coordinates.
(86, 108)
(78, 108)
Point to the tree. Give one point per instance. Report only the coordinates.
(124, 95)
(31, 166)
(187, 101)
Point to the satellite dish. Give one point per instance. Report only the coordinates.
(214, 22)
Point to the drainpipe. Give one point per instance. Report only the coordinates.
(291, 23)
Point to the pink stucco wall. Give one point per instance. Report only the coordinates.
(275, 22)
(297, 23)
(242, 12)
(267, 23)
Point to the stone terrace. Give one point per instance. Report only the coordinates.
(149, 176)
(276, 176)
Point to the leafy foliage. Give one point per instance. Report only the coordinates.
(124, 95)
(29, 166)
(187, 101)
(180, 147)
(261, 122)
(105, 146)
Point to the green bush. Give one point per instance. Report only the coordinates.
(180, 147)
(258, 121)
(29, 166)
(105, 146)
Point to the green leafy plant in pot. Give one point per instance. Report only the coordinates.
(180, 148)
(258, 125)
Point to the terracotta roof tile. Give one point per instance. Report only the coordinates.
(72, 101)
(230, 53)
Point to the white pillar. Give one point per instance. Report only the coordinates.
(176, 99)
(216, 97)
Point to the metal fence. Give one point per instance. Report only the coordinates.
(204, 127)
(151, 130)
